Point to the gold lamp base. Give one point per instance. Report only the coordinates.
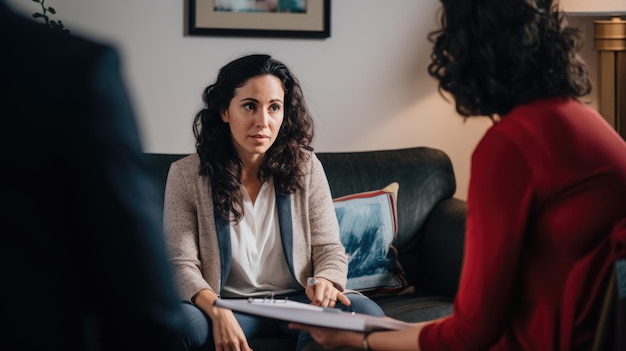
(610, 42)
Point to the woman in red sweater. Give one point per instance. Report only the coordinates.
(548, 185)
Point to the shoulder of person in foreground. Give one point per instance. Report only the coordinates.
(70, 91)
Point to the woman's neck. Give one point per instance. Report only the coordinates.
(251, 181)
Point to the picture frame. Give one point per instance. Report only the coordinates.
(304, 19)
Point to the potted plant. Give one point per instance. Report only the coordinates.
(45, 16)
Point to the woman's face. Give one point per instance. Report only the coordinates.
(255, 114)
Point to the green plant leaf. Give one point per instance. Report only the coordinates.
(55, 25)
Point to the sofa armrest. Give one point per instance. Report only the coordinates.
(441, 255)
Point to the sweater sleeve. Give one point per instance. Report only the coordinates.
(499, 198)
(181, 232)
(328, 254)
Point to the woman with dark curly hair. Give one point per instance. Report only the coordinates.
(251, 214)
(547, 190)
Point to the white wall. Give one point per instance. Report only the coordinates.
(366, 85)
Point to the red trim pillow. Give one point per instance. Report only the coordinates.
(368, 224)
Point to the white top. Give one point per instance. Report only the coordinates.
(258, 264)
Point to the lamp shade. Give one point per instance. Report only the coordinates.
(594, 7)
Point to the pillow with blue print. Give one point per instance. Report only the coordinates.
(368, 225)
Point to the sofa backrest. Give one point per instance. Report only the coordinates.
(425, 176)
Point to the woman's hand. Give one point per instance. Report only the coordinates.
(227, 332)
(332, 338)
(324, 294)
(329, 338)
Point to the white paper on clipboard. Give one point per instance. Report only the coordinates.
(293, 311)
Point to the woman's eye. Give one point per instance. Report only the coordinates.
(275, 107)
(249, 106)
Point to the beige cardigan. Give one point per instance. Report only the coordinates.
(309, 230)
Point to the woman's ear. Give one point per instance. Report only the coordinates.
(224, 116)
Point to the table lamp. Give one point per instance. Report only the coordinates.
(610, 43)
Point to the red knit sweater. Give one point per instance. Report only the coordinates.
(547, 184)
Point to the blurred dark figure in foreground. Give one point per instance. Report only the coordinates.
(83, 260)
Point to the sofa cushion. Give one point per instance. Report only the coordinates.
(368, 225)
(425, 175)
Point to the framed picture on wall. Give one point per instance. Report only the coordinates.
(260, 18)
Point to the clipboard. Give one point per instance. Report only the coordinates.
(298, 312)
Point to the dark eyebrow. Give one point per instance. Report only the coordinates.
(257, 101)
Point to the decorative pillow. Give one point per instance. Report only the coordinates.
(368, 225)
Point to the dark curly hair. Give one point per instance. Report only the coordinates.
(493, 55)
(218, 158)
